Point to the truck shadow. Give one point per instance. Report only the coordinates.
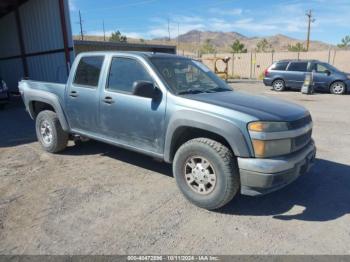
(321, 195)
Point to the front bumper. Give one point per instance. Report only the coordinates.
(261, 176)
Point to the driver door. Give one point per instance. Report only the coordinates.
(126, 119)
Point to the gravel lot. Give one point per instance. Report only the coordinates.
(98, 199)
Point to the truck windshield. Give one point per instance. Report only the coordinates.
(186, 76)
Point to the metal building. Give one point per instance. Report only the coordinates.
(36, 40)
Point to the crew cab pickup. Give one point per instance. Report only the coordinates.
(220, 142)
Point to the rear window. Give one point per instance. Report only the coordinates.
(88, 71)
(279, 66)
(298, 66)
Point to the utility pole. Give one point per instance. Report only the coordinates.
(310, 20)
(104, 31)
(169, 29)
(178, 34)
(81, 26)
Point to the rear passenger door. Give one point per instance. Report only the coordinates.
(296, 72)
(82, 95)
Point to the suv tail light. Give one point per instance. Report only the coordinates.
(266, 72)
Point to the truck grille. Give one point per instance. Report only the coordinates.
(301, 141)
(300, 122)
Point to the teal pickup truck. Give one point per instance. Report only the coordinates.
(220, 142)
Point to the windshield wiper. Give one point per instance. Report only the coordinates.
(217, 89)
(190, 91)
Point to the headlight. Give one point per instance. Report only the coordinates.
(261, 126)
(269, 148)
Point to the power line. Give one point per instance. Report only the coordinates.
(310, 20)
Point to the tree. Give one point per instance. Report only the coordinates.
(207, 47)
(238, 47)
(345, 42)
(117, 37)
(298, 47)
(263, 46)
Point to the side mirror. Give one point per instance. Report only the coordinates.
(327, 72)
(144, 89)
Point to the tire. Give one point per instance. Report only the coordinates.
(220, 163)
(49, 132)
(278, 85)
(338, 88)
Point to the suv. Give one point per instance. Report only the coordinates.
(291, 74)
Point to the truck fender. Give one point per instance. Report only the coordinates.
(214, 124)
(48, 98)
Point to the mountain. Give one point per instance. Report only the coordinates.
(223, 40)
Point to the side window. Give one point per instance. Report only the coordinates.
(124, 72)
(280, 66)
(298, 66)
(320, 68)
(88, 71)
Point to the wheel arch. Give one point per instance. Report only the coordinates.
(184, 129)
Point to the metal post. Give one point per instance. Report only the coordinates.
(233, 65)
(21, 43)
(251, 64)
(64, 34)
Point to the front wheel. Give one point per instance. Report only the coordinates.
(206, 173)
(338, 88)
(278, 85)
(49, 132)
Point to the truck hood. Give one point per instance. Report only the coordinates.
(260, 107)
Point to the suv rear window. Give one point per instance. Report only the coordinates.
(298, 66)
(279, 66)
(88, 71)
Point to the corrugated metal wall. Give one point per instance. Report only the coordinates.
(43, 43)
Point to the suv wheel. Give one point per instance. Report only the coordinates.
(206, 173)
(338, 88)
(278, 85)
(49, 132)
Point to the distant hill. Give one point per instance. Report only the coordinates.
(222, 41)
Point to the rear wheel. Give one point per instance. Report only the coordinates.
(338, 88)
(206, 173)
(49, 132)
(278, 85)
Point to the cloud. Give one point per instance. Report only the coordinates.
(226, 12)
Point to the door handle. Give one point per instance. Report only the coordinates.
(108, 100)
(73, 93)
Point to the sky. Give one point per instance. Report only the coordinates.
(148, 19)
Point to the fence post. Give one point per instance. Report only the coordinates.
(251, 63)
(233, 65)
(272, 53)
(335, 52)
(329, 55)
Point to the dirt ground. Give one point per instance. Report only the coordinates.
(98, 199)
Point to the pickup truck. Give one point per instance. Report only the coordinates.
(220, 142)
